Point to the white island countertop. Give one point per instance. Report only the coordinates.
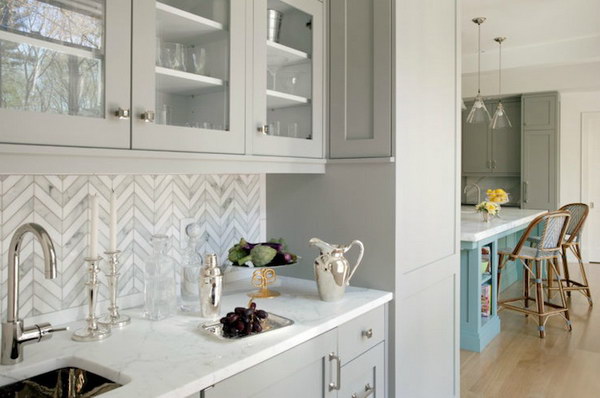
(473, 229)
(172, 358)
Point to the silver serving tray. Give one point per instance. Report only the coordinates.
(273, 322)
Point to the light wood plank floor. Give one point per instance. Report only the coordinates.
(517, 363)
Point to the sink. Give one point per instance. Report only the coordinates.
(66, 382)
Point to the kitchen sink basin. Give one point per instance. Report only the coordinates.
(66, 382)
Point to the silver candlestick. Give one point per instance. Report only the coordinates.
(93, 331)
(113, 318)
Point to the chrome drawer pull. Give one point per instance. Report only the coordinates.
(368, 392)
(338, 379)
(367, 333)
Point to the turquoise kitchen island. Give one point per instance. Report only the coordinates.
(478, 272)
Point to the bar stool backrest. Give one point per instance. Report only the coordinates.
(555, 224)
(579, 213)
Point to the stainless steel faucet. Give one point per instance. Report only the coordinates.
(478, 191)
(14, 334)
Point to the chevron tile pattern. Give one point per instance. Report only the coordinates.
(227, 207)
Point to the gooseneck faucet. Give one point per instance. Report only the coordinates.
(473, 185)
(14, 334)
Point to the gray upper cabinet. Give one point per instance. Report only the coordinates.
(506, 142)
(486, 151)
(189, 75)
(540, 162)
(287, 80)
(61, 83)
(168, 75)
(360, 64)
(541, 111)
(476, 145)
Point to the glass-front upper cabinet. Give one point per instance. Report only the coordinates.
(65, 72)
(288, 78)
(189, 75)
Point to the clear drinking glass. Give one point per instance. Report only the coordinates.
(196, 60)
(160, 297)
(174, 56)
(191, 264)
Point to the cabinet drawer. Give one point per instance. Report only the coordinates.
(364, 376)
(360, 334)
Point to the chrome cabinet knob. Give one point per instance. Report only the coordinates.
(368, 392)
(263, 129)
(147, 116)
(122, 113)
(367, 333)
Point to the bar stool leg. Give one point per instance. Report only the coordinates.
(566, 268)
(500, 267)
(550, 276)
(577, 251)
(539, 298)
(563, 297)
(526, 288)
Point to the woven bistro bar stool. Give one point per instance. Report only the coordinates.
(579, 213)
(533, 259)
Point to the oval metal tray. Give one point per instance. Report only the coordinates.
(273, 322)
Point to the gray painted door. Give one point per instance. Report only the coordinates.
(506, 142)
(539, 111)
(364, 374)
(303, 371)
(360, 78)
(539, 170)
(476, 144)
(67, 92)
(287, 80)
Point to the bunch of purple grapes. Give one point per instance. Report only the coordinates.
(243, 321)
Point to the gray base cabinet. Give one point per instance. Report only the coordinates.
(347, 362)
(540, 161)
(364, 376)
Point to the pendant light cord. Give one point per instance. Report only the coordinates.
(500, 69)
(478, 58)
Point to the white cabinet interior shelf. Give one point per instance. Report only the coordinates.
(278, 54)
(172, 81)
(181, 26)
(277, 99)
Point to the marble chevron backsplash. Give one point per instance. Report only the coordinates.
(226, 206)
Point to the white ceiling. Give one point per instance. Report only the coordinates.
(528, 22)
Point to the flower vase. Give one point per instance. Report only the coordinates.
(486, 216)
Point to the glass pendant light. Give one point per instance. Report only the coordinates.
(500, 119)
(479, 112)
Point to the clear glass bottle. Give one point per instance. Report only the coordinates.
(160, 297)
(191, 264)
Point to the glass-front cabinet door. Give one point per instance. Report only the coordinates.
(65, 72)
(288, 78)
(189, 75)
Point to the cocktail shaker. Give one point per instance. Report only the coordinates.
(211, 287)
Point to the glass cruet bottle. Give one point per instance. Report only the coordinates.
(160, 297)
(191, 263)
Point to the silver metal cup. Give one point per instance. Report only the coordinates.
(274, 18)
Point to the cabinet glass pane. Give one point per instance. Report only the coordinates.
(52, 56)
(289, 71)
(192, 63)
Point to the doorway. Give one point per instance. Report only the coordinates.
(590, 182)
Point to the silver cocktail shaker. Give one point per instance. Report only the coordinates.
(211, 287)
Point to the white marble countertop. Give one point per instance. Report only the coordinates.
(473, 229)
(172, 358)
